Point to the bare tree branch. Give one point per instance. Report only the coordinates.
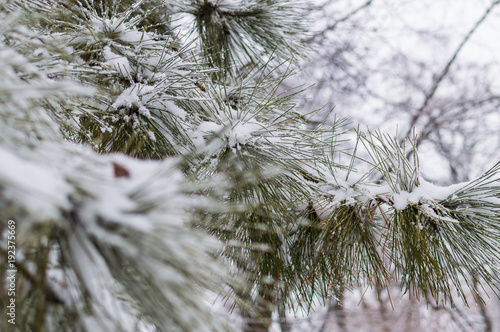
(332, 26)
(430, 94)
(453, 312)
(482, 306)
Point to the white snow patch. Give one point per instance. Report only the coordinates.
(136, 95)
(232, 130)
(134, 36)
(426, 191)
(117, 62)
(152, 136)
(38, 188)
(174, 109)
(114, 25)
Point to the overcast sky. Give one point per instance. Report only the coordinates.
(424, 31)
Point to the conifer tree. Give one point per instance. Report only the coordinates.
(148, 156)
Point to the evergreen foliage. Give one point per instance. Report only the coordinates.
(147, 162)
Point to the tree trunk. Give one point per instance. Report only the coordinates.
(335, 309)
(260, 318)
(282, 315)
